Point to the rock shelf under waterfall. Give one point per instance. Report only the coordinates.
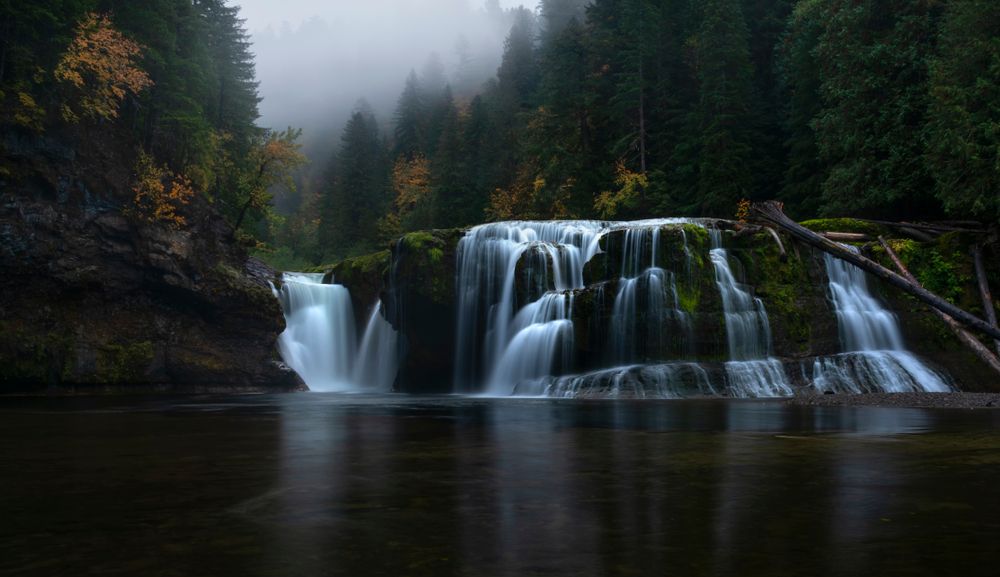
(665, 308)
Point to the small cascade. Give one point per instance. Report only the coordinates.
(542, 343)
(750, 372)
(647, 295)
(662, 381)
(487, 301)
(378, 354)
(319, 337)
(319, 341)
(875, 359)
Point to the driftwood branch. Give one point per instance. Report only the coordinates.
(967, 338)
(928, 227)
(781, 247)
(984, 290)
(916, 233)
(771, 212)
(846, 236)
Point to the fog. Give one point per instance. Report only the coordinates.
(317, 58)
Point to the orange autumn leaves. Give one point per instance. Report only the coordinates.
(100, 67)
(159, 193)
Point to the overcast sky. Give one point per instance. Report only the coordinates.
(316, 59)
(263, 13)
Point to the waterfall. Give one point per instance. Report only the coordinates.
(378, 361)
(523, 345)
(662, 381)
(750, 372)
(488, 257)
(874, 358)
(319, 337)
(319, 341)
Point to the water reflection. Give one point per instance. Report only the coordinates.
(333, 485)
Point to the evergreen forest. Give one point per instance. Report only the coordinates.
(600, 109)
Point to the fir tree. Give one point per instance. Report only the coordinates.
(962, 131)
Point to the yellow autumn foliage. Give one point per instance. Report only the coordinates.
(158, 193)
(630, 188)
(100, 67)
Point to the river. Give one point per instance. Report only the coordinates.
(327, 484)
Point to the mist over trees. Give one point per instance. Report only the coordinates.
(166, 87)
(636, 108)
(612, 109)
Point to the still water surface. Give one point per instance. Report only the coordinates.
(316, 484)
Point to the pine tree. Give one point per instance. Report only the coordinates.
(359, 193)
(723, 112)
(873, 66)
(804, 174)
(409, 127)
(962, 130)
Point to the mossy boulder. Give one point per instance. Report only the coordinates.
(366, 277)
(793, 289)
(420, 304)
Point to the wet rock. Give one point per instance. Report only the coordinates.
(95, 298)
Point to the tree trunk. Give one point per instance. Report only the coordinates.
(930, 227)
(771, 212)
(847, 236)
(243, 213)
(978, 348)
(984, 290)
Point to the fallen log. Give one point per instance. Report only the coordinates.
(930, 227)
(846, 236)
(912, 232)
(967, 338)
(984, 289)
(771, 212)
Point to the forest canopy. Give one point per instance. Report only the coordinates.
(613, 109)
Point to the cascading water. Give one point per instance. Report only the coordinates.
(319, 337)
(377, 361)
(319, 341)
(644, 287)
(750, 372)
(487, 263)
(875, 359)
(522, 349)
(519, 284)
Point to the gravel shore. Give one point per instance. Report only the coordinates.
(914, 400)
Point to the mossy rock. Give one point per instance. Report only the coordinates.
(793, 290)
(126, 363)
(844, 225)
(365, 277)
(34, 358)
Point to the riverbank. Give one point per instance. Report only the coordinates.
(903, 400)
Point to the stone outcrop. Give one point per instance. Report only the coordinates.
(94, 298)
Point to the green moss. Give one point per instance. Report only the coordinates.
(418, 240)
(126, 363)
(844, 225)
(436, 255)
(780, 284)
(367, 268)
(688, 297)
(28, 356)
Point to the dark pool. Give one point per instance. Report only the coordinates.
(315, 484)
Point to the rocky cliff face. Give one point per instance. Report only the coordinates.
(93, 298)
